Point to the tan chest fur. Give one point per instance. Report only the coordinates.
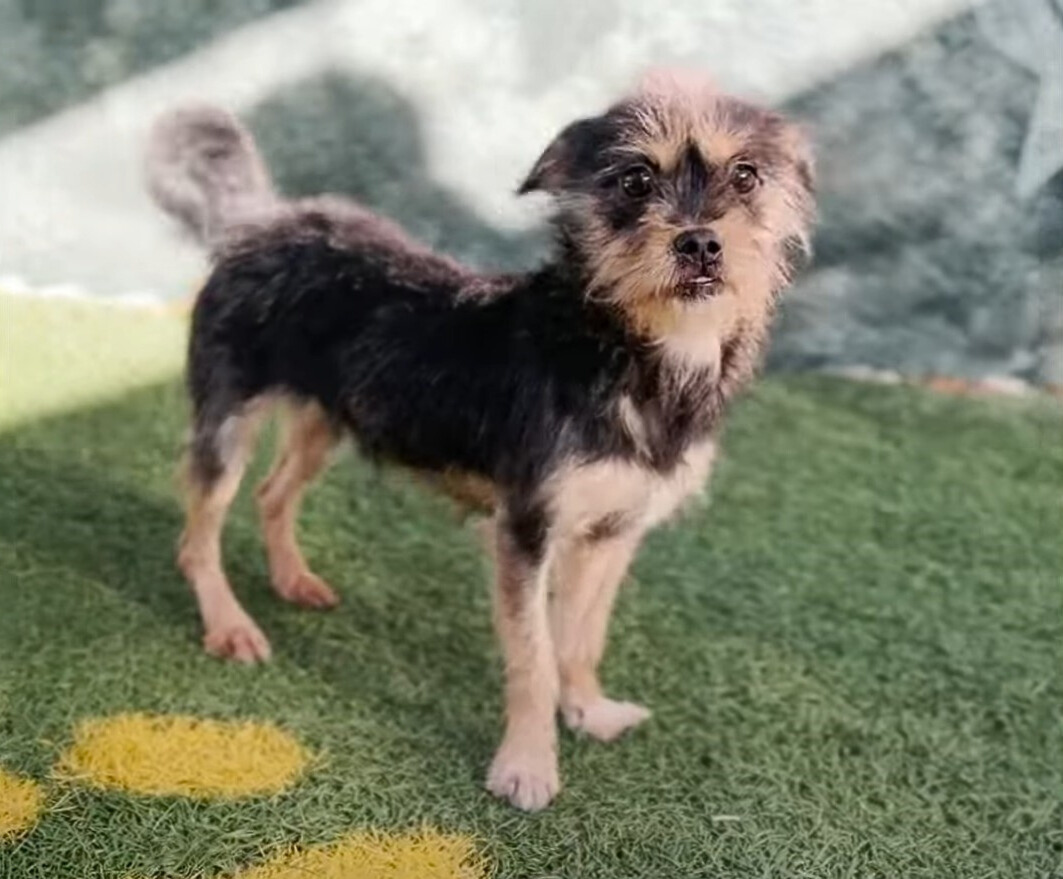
(584, 494)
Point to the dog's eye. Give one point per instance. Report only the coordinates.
(744, 177)
(637, 182)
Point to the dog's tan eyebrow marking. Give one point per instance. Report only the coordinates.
(720, 147)
(667, 144)
(664, 149)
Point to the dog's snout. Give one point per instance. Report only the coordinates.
(700, 245)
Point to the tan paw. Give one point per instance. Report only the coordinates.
(526, 777)
(604, 719)
(309, 590)
(240, 640)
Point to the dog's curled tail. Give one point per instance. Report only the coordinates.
(204, 169)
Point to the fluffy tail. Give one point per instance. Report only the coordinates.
(204, 169)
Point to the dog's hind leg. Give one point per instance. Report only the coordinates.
(220, 448)
(586, 579)
(302, 454)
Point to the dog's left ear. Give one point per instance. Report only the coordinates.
(799, 146)
(799, 149)
(557, 166)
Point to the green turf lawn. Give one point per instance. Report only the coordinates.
(853, 652)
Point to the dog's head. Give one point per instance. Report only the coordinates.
(680, 194)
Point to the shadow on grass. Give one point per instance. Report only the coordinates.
(93, 492)
(865, 633)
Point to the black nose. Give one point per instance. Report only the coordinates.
(699, 245)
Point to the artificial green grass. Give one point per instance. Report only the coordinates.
(56, 355)
(853, 652)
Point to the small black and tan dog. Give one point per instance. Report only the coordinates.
(578, 404)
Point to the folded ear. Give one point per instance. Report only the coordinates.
(561, 161)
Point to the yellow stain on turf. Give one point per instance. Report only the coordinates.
(185, 756)
(425, 854)
(21, 801)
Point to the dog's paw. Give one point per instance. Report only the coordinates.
(239, 640)
(604, 719)
(526, 777)
(309, 590)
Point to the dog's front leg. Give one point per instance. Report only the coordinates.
(587, 576)
(524, 770)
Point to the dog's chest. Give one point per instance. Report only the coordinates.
(627, 494)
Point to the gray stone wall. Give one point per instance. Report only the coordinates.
(939, 132)
(928, 258)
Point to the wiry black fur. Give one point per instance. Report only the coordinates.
(424, 368)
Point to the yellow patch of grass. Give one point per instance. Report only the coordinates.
(425, 854)
(21, 801)
(184, 756)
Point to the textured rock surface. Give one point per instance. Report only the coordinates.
(927, 259)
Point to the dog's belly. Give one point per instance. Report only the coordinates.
(473, 493)
(583, 496)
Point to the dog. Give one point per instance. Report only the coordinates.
(579, 405)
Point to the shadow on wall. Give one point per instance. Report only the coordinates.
(54, 53)
(359, 137)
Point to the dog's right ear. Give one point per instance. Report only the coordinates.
(561, 161)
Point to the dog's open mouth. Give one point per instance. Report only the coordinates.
(700, 285)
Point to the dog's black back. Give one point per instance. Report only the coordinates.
(427, 365)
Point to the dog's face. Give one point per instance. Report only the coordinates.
(679, 195)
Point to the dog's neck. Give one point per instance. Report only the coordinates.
(715, 341)
(681, 364)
